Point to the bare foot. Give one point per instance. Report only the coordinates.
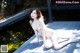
(76, 39)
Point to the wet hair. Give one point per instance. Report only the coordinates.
(39, 14)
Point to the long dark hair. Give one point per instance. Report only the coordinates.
(39, 14)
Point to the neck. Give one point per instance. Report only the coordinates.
(35, 19)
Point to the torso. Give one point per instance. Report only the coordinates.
(36, 25)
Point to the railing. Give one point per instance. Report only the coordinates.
(22, 14)
(15, 18)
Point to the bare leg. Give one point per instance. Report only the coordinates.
(58, 45)
(77, 39)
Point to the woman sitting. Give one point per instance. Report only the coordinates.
(49, 39)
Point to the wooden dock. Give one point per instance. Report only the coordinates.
(30, 47)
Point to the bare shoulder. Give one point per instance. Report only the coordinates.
(30, 21)
(41, 21)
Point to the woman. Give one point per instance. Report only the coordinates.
(49, 39)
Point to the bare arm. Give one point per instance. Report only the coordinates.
(36, 33)
(37, 37)
(43, 35)
(44, 38)
(30, 22)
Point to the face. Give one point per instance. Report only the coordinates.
(34, 14)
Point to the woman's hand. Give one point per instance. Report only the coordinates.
(36, 40)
